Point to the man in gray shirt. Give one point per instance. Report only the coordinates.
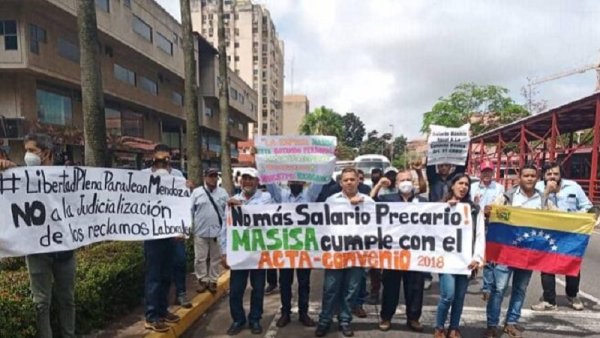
(208, 214)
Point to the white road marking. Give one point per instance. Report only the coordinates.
(581, 292)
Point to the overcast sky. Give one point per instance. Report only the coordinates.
(390, 60)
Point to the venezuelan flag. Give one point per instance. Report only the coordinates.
(539, 240)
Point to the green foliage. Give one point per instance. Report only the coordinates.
(12, 263)
(345, 153)
(323, 121)
(109, 283)
(469, 99)
(354, 130)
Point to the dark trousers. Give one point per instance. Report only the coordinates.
(286, 279)
(413, 293)
(179, 267)
(375, 276)
(158, 254)
(237, 286)
(549, 287)
(272, 277)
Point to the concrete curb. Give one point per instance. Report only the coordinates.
(200, 304)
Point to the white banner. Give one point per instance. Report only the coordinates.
(398, 236)
(63, 208)
(295, 158)
(448, 145)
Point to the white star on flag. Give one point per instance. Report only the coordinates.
(551, 242)
(541, 233)
(525, 235)
(554, 248)
(547, 237)
(533, 232)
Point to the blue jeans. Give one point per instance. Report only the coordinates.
(520, 281)
(453, 289)
(237, 286)
(179, 267)
(499, 277)
(158, 255)
(488, 278)
(362, 294)
(339, 288)
(286, 279)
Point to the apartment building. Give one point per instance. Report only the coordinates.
(295, 107)
(142, 74)
(254, 52)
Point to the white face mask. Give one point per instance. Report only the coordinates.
(405, 187)
(32, 160)
(161, 172)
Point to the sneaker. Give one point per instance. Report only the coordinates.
(359, 312)
(271, 289)
(202, 287)
(454, 333)
(183, 302)
(385, 325)
(575, 303)
(171, 318)
(157, 326)
(490, 332)
(427, 284)
(439, 333)
(544, 306)
(346, 330)
(512, 331)
(212, 288)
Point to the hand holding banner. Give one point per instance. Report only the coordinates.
(448, 145)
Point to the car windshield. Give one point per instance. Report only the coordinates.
(367, 166)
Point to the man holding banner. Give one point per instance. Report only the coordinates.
(341, 285)
(250, 195)
(294, 194)
(49, 273)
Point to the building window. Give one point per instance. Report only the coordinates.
(132, 124)
(177, 99)
(124, 74)
(68, 50)
(127, 3)
(148, 85)
(164, 43)
(54, 108)
(8, 29)
(142, 28)
(113, 121)
(103, 5)
(241, 126)
(36, 35)
(208, 111)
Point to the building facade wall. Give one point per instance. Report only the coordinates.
(295, 107)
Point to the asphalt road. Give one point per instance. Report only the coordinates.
(565, 322)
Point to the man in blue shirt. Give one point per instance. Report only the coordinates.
(250, 195)
(568, 196)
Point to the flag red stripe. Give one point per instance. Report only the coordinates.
(532, 259)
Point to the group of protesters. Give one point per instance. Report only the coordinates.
(344, 290)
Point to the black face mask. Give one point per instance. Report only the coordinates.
(296, 189)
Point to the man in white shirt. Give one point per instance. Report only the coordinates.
(340, 286)
(208, 214)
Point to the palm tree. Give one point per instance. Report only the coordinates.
(190, 97)
(92, 94)
(224, 105)
(323, 121)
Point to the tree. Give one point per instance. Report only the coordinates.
(92, 94)
(354, 130)
(375, 144)
(534, 106)
(227, 175)
(323, 121)
(485, 107)
(190, 98)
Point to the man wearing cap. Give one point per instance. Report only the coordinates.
(295, 193)
(208, 215)
(250, 195)
(484, 193)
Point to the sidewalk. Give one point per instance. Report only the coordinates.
(132, 325)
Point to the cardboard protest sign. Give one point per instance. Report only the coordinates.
(399, 236)
(295, 158)
(52, 209)
(448, 145)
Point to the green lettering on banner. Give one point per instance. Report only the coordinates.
(258, 241)
(240, 241)
(311, 177)
(321, 142)
(273, 235)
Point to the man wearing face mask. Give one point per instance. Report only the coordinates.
(294, 194)
(165, 260)
(250, 195)
(567, 196)
(413, 280)
(49, 273)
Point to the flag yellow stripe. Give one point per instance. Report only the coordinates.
(575, 222)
